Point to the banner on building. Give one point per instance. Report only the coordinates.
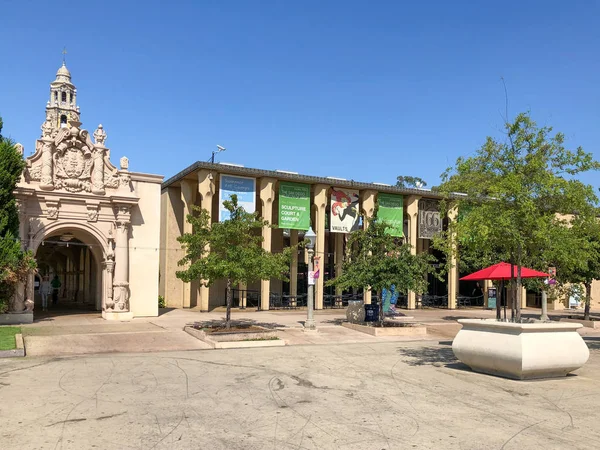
(430, 221)
(344, 211)
(391, 211)
(294, 206)
(243, 187)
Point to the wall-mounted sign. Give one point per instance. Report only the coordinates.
(243, 187)
(344, 211)
(294, 206)
(391, 211)
(430, 222)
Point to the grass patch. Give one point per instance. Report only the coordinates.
(273, 338)
(7, 337)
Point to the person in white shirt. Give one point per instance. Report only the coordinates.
(45, 290)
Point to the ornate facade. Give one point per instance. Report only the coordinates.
(72, 197)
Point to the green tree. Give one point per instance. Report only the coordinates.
(514, 192)
(410, 182)
(379, 260)
(14, 263)
(230, 250)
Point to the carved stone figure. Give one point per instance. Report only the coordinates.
(124, 163)
(100, 135)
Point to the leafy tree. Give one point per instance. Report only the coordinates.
(515, 191)
(412, 182)
(230, 250)
(14, 263)
(379, 260)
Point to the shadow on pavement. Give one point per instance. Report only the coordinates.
(423, 356)
(237, 323)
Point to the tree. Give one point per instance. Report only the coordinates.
(410, 182)
(14, 263)
(583, 266)
(230, 250)
(515, 192)
(379, 260)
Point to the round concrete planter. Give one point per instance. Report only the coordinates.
(520, 350)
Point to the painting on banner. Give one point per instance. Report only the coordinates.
(243, 187)
(391, 211)
(345, 211)
(430, 221)
(294, 206)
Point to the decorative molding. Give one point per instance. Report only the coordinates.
(52, 208)
(93, 209)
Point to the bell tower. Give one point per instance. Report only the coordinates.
(62, 106)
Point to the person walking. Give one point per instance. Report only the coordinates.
(56, 284)
(45, 290)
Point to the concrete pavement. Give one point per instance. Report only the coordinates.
(411, 395)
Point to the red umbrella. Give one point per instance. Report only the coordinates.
(501, 271)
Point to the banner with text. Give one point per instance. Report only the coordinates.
(430, 221)
(243, 187)
(294, 206)
(345, 211)
(391, 211)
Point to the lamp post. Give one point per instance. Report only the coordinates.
(310, 246)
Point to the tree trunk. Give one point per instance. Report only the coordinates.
(588, 300)
(228, 313)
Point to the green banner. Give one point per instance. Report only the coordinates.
(391, 211)
(294, 206)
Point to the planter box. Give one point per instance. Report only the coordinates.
(12, 318)
(237, 339)
(408, 330)
(585, 323)
(520, 350)
(19, 351)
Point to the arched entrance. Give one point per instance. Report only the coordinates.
(75, 256)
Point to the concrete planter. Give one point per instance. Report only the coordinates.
(407, 330)
(237, 339)
(520, 350)
(13, 318)
(585, 323)
(19, 351)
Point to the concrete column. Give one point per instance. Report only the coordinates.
(267, 197)
(88, 275)
(171, 228)
(368, 207)
(294, 264)
(412, 211)
(453, 272)
(243, 294)
(320, 199)
(523, 297)
(206, 191)
(188, 197)
(486, 285)
(118, 307)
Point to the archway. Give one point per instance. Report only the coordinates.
(74, 256)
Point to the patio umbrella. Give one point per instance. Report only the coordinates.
(501, 271)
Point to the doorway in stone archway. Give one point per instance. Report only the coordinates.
(71, 264)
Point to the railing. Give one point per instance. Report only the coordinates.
(284, 301)
(432, 301)
(339, 301)
(465, 301)
(252, 298)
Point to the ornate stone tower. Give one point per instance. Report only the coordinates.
(62, 107)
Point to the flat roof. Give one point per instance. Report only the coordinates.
(290, 176)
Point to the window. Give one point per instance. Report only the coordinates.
(63, 121)
(64, 97)
(55, 96)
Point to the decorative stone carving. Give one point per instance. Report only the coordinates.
(46, 173)
(124, 163)
(28, 305)
(73, 162)
(92, 212)
(47, 128)
(20, 148)
(121, 296)
(100, 135)
(52, 209)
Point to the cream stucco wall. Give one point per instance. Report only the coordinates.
(144, 246)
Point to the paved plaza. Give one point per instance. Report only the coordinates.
(385, 395)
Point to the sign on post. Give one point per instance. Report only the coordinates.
(311, 278)
(492, 293)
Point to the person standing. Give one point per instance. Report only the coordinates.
(45, 289)
(56, 284)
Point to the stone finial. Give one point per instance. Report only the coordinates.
(124, 163)
(100, 135)
(20, 148)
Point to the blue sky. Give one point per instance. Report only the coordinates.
(358, 90)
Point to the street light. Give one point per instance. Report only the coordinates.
(310, 246)
(218, 150)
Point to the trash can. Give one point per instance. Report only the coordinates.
(371, 313)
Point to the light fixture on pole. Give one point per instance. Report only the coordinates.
(218, 150)
(310, 246)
